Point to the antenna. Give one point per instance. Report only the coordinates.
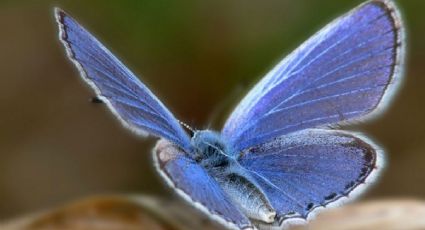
(187, 127)
(225, 103)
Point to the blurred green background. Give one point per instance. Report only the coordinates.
(199, 57)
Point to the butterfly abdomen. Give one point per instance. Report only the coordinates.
(247, 196)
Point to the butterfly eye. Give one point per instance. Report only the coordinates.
(198, 158)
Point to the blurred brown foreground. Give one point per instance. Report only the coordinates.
(151, 213)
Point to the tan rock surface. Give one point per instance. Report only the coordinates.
(150, 213)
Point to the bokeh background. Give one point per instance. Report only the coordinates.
(199, 57)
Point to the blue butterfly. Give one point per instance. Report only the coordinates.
(279, 157)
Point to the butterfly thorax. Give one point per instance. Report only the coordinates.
(213, 153)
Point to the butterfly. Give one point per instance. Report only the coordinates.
(280, 157)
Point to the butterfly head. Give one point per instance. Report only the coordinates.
(211, 149)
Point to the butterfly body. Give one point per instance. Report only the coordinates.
(235, 181)
(279, 158)
(218, 159)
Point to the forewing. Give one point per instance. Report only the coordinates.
(312, 168)
(193, 183)
(131, 101)
(346, 71)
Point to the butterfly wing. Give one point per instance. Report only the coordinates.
(346, 71)
(195, 185)
(129, 99)
(312, 168)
